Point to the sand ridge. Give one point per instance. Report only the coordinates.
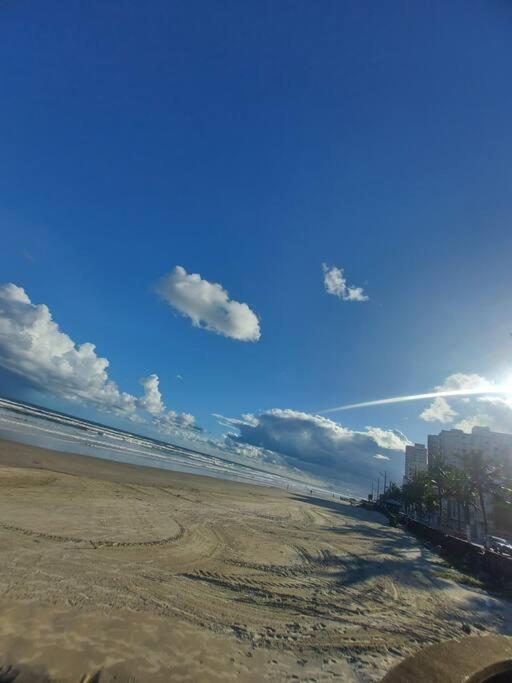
(134, 570)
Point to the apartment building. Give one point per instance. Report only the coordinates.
(415, 460)
(452, 445)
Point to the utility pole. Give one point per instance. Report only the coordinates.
(384, 474)
(378, 487)
(372, 489)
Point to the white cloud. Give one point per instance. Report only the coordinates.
(152, 399)
(247, 419)
(467, 423)
(322, 446)
(387, 438)
(171, 419)
(208, 305)
(493, 411)
(336, 284)
(379, 456)
(33, 347)
(461, 381)
(439, 411)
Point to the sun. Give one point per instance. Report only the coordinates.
(506, 386)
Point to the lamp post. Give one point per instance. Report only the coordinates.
(384, 474)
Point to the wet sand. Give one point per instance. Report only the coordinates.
(154, 575)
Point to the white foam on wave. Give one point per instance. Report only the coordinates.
(40, 427)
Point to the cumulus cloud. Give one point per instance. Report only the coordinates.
(208, 305)
(320, 445)
(165, 420)
(171, 419)
(488, 410)
(494, 412)
(335, 283)
(246, 419)
(152, 399)
(387, 438)
(461, 381)
(439, 411)
(33, 347)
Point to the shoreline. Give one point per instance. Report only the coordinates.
(18, 454)
(37, 426)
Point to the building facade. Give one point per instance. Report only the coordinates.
(415, 460)
(452, 445)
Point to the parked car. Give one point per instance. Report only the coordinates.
(499, 545)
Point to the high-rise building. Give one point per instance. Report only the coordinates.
(453, 444)
(415, 460)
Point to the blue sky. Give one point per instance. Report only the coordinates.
(250, 143)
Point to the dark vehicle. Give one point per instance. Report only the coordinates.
(499, 545)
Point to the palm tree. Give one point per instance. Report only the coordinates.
(418, 493)
(462, 491)
(454, 485)
(439, 474)
(485, 478)
(393, 491)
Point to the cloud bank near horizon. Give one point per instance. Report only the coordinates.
(321, 446)
(34, 349)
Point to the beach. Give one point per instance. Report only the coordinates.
(148, 574)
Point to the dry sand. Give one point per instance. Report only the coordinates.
(155, 575)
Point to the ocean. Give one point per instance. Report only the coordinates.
(27, 423)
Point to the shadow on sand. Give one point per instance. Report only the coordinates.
(383, 552)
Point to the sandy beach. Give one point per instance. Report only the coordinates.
(154, 575)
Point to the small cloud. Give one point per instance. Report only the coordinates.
(179, 376)
(378, 456)
(467, 423)
(336, 284)
(152, 399)
(461, 381)
(439, 411)
(208, 305)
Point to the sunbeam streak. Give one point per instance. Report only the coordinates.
(418, 397)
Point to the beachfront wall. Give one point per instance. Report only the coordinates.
(453, 521)
(499, 567)
(476, 531)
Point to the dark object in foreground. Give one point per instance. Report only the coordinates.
(480, 659)
(8, 674)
